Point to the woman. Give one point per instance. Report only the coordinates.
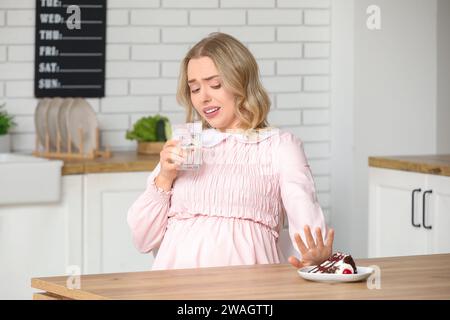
(230, 211)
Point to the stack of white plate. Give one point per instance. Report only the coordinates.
(66, 116)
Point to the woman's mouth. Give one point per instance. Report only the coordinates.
(211, 112)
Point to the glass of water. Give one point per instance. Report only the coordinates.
(190, 137)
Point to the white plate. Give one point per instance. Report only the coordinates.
(81, 115)
(62, 122)
(40, 120)
(52, 121)
(363, 273)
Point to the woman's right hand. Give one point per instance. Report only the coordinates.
(170, 160)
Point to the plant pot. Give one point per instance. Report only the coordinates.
(150, 147)
(5, 143)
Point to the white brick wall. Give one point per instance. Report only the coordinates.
(180, 34)
(17, 4)
(113, 121)
(116, 87)
(303, 3)
(217, 17)
(131, 69)
(16, 71)
(285, 117)
(16, 35)
(317, 149)
(314, 117)
(320, 166)
(307, 33)
(20, 17)
(275, 17)
(276, 50)
(247, 3)
(157, 86)
(155, 17)
(316, 83)
(317, 17)
(317, 50)
(190, 4)
(158, 52)
(251, 34)
(131, 35)
(25, 124)
(19, 88)
(302, 100)
(117, 17)
(117, 52)
(2, 53)
(133, 4)
(305, 66)
(146, 39)
(2, 17)
(21, 53)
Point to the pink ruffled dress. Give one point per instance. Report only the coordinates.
(231, 210)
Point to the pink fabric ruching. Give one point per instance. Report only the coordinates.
(230, 211)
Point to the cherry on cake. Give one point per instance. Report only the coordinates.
(338, 263)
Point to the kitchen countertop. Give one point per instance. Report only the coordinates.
(120, 161)
(130, 161)
(410, 277)
(430, 164)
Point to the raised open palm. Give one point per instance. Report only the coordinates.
(316, 251)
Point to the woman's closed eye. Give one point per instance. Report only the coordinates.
(214, 87)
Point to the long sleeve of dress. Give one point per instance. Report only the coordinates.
(147, 216)
(297, 188)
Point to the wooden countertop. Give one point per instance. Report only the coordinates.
(129, 161)
(120, 161)
(430, 164)
(412, 277)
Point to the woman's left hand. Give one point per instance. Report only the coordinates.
(316, 252)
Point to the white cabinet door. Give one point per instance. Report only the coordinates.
(438, 213)
(391, 230)
(40, 240)
(108, 246)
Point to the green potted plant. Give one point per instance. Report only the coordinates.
(6, 123)
(150, 133)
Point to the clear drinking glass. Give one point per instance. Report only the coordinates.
(190, 137)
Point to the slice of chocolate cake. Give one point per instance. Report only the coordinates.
(339, 263)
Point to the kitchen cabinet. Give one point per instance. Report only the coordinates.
(409, 213)
(37, 240)
(439, 220)
(108, 245)
(86, 232)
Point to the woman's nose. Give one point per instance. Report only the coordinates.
(205, 96)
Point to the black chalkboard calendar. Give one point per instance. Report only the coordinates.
(70, 48)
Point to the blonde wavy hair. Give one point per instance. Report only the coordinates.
(240, 74)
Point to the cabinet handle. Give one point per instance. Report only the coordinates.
(423, 209)
(412, 208)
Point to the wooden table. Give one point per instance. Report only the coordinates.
(412, 277)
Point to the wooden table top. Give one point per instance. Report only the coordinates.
(429, 164)
(120, 161)
(412, 277)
